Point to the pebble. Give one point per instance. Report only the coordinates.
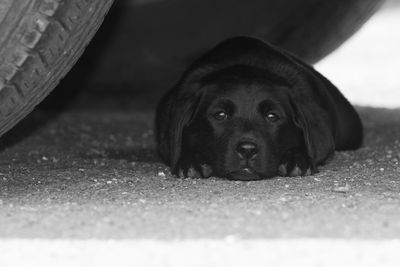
(369, 161)
(342, 189)
(283, 199)
(357, 165)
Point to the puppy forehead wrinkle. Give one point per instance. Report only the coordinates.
(247, 98)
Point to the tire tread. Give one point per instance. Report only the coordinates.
(40, 48)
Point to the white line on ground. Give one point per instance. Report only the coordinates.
(202, 252)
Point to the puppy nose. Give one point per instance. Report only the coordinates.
(247, 150)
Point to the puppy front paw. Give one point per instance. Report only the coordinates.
(296, 163)
(192, 170)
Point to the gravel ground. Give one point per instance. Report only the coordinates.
(94, 174)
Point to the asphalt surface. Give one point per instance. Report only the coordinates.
(94, 174)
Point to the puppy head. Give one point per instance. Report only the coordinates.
(243, 105)
(243, 125)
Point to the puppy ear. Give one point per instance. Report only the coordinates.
(346, 124)
(316, 128)
(175, 112)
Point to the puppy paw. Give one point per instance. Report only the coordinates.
(191, 172)
(194, 171)
(296, 163)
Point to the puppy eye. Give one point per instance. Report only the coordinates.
(272, 117)
(221, 115)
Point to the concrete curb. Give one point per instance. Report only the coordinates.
(207, 252)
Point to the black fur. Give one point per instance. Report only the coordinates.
(249, 110)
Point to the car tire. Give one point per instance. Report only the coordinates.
(40, 40)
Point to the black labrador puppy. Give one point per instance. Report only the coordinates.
(248, 110)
